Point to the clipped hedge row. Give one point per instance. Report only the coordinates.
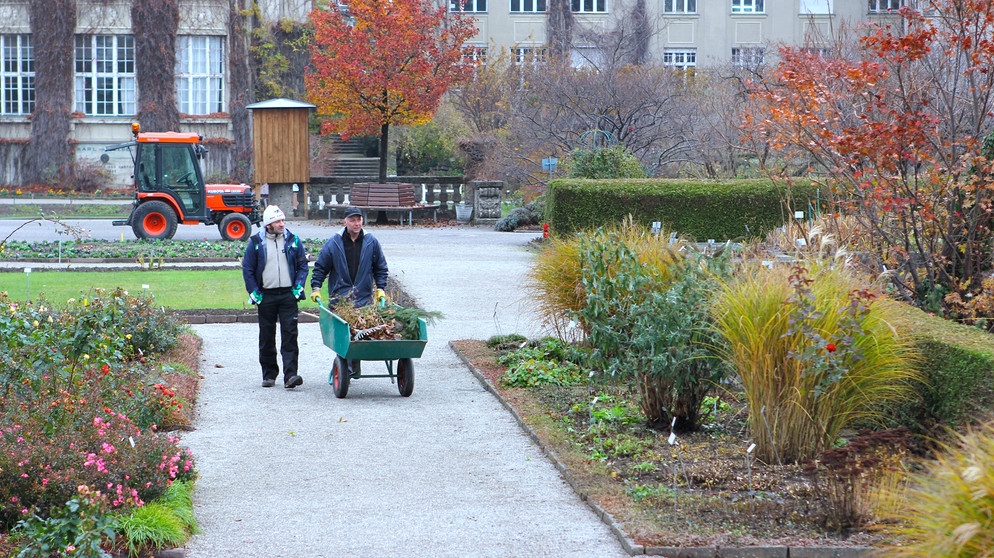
(721, 210)
(957, 362)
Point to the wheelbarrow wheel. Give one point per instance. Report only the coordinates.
(405, 377)
(339, 377)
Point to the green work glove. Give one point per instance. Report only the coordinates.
(316, 294)
(255, 297)
(298, 292)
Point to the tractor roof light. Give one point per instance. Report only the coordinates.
(135, 128)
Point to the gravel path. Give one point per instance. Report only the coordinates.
(446, 472)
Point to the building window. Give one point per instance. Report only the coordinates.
(18, 74)
(747, 7)
(467, 5)
(199, 74)
(105, 75)
(680, 6)
(680, 58)
(881, 6)
(530, 55)
(749, 57)
(587, 57)
(816, 7)
(527, 6)
(589, 6)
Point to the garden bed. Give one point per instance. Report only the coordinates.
(721, 497)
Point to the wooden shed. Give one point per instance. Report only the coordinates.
(281, 148)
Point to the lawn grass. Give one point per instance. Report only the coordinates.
(70, 211)
(179, 289)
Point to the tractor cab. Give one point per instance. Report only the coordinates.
(167, 166)
(170, 189)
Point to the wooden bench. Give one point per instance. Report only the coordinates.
(391, 196)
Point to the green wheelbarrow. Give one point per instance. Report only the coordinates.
(336, 334)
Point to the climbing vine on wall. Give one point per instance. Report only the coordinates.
(560, 28)
(154, 24)
(239, 25)
(50, 154)
(280, 55)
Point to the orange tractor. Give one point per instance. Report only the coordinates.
(170, 189)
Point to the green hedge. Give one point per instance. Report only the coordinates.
(698, 210)
(957, 363)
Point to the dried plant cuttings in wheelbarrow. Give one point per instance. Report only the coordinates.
(382, 322)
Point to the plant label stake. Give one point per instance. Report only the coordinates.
(27, 277)
(749, 463)
(672, 442)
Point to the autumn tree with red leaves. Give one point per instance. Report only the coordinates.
(380, 63)
(898, 123)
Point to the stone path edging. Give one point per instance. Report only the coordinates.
(629, 545)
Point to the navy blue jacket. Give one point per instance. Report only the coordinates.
(255, 259)
(331, 263)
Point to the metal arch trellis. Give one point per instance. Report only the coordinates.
(597, 138)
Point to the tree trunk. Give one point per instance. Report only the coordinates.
(49, 154)
(381, 217)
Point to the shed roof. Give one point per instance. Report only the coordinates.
(280, 104)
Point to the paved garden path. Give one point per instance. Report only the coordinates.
(446, 472)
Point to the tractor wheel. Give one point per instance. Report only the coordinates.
(154, 220)
(235, 226)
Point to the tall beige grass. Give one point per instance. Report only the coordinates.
(795, 410)
(555, 281)
(948, 509)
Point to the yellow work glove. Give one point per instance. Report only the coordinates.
(380, 297)
(315, 294)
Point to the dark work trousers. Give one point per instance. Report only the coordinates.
(278, 305)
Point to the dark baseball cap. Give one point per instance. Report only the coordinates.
(350, 211)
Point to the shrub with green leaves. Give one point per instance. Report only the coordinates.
(79, 401)
(80, 528)
(606, 162)
(815, 351)
(652, 324)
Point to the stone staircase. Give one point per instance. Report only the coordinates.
(351, 161)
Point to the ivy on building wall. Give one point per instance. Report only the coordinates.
(280, 56)
(154, 24)
(560, 28)
(640, 18)
(49, 155)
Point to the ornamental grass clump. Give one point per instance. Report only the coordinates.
(948, 509)
(815, 352)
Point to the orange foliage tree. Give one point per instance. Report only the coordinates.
(896, 122)
(382, 62)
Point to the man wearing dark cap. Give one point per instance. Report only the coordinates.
(353, 263)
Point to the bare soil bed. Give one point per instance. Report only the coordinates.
(703, 491)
